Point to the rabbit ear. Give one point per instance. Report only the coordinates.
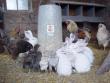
(66, 39)
(85, 44)
(72, 35)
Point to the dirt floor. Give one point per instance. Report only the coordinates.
(10, 72)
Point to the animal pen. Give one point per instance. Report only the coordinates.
(45, 25)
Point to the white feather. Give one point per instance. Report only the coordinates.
(89, 54)
(64, 67)
(82, 63)
(31, 39)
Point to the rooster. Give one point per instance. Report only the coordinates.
(103, 36)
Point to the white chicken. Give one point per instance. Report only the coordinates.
(31, 39)
(103, 35)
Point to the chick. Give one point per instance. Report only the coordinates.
(103, 35)
(71, 26)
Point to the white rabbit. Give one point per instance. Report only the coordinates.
(78, 60)
(82, 63)
(64, 65)
(67, 41)
(72, 38)
(88, 52)
(81, 43)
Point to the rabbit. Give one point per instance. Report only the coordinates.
(89, 54)
(73, 38)
(82, 63)
(64, 67)
(67, 43)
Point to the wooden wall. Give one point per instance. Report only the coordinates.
(28, 20)
(22, 19)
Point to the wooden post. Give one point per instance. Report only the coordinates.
(105, 65)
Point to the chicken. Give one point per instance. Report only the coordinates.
(30, 38)
(20, 46)
(52, 62)
(4, 40)
(103, 35)
(30, 59)
(84, 34)
(71, 26)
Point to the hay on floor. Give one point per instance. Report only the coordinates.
(12, 73)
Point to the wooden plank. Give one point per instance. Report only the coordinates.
(105, 65)
(79, 3)
(83, 19)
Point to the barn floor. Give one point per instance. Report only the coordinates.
(11, 73)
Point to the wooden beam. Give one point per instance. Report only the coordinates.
(78, 3)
